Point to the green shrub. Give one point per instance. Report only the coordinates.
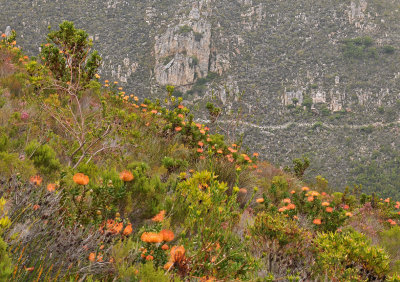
(43, 156)
(3, 142)
(388, 49)
(390, 240)
(185, 29)
(174, 164)
(10, 164)
(349, 256)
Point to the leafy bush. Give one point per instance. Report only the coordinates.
(390, 240)
(43, 156)
(349, 256)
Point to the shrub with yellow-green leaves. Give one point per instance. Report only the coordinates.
(349, 256)
(208, 213)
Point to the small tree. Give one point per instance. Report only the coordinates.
(66, 88)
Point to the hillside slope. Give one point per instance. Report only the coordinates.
(319, 78)
(98, 185)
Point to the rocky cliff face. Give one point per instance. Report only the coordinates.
(317, 78)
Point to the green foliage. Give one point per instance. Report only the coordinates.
(174, 164)
(388, 49)
(359, 48)
(71, 45)
(349, 256)
(6, 266)
(206, 207)
(185, 29)
(3, 142)
(300, 166)
(43, 157)
(390, 240)
(10, 164)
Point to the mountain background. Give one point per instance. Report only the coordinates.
(314, 78)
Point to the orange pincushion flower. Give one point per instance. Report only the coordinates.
(329, 209)
(201, 144)
(291, 207)
(151, 237)
(128, 230)
(149, 258)
(199, 150)
(292, 192)
(305, 189)
(36, 180)
(3, 35)
(317, 221)
(180, 107)
(286, 201)
(310, 199)
(349, 214)
(177, 253)
(387, 200)
(165, 247)
(159, 217)
(202, 132)
(282, 209)
(92, 257)
(325, 204)
(219, 151)
(51, 187)
(36, 207)
(178, 128)
(81, 179)
(126, 176)
(167, 235)
(260, 200)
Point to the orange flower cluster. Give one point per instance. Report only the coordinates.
(36, 180)
(51, 187)
(159, 217)
(115, 227)
(92, 257)
(317, 221)
(80, 179)
(126, 176)
(153, 237)
(392, 222)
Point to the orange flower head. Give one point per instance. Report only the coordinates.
(165, 247)
(325, 204)
(243, 191)
(181, 107)
(282, 209)
(291, 206)
(167, 235)
(202, 132)
(329, 209)
(159, 217)
(178, 128)
(260, 200)
(128, 230)
(177, 253)
(219, 151)
(201, 144)
(92, 257)
(36, 207)
(349, 214)
(149, 258)
(3, 35)
(317, 221)
(126, 176)
(81, 179)
(305, 189)
(36, 180)
(199, 150)
(287, 201)
(310, 199)
(51, 187)
(292, 192)
(387, 200)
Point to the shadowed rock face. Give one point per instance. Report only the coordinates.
(299, 86)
